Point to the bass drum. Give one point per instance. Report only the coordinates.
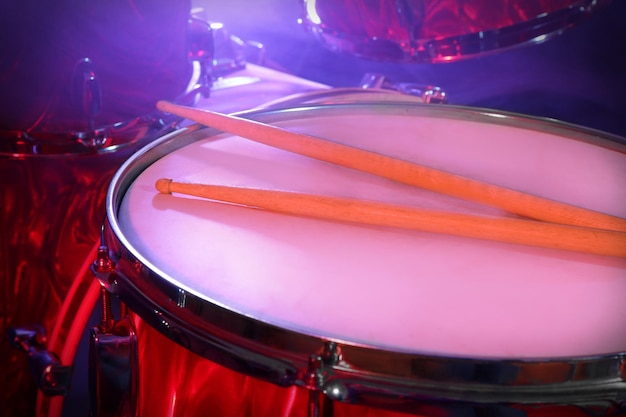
(79, 81)
(248, 312)
(430, 31)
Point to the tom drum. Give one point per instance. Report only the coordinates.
(439, 30)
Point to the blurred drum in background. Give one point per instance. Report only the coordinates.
(430, 31)
(79, 81)
(251, 312)
(69, 64)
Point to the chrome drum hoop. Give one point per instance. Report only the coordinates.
(446, 47)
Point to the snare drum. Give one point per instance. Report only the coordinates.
(264, 309)
(439, 30)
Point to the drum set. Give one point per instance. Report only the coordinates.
(118, 300)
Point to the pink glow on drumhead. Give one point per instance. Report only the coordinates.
(388, 288)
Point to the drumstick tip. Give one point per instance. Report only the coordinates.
(163, 185)
(163, 105)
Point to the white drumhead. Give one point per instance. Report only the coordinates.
(393, 289)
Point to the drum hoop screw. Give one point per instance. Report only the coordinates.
(103, 262)
(314, 378)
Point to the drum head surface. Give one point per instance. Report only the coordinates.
(393, 289)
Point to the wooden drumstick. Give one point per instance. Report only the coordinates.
(405, 172)
(509, 230)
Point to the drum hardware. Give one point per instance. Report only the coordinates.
(216, 54)
(344, 95)
(102, 268)
(230, 50)
(200, 49)
(51, 376)
(212, 53)
(86, 94)
(113, 369)
(215, 51)
(321, 392)
(113, 357)
(93, 140)
(428, 93)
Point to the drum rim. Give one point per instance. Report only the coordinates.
(438, 50)
(354, 372)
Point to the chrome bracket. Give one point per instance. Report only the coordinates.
(113, 370)
(430, 94)
(52, 377)
(113, 356)
(321, 392)
(103, 268)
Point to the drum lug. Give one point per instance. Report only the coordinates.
(103, 268)
(317, 381)
(52, 377)
(428, 93)
(113, 369)
(113, 363)
(320, 364)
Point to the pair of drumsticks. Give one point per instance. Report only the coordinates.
(550, 224)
